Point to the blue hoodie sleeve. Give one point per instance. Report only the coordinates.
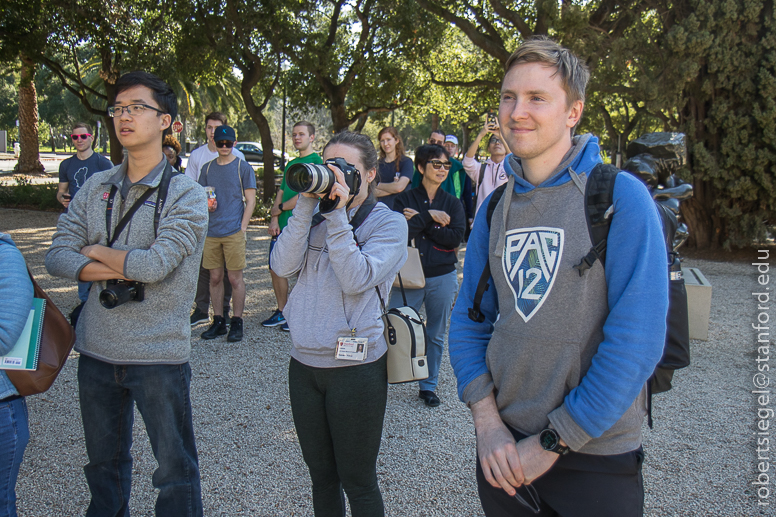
(468, 341)
(634, 332)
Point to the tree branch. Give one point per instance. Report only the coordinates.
(514, 18)
(493, 48)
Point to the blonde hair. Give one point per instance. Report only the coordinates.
(574, 74)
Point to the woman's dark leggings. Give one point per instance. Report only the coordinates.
(338, 414)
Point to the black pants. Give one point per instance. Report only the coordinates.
(338, 414)
(578, 485)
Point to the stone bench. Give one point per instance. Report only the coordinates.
(698, 302)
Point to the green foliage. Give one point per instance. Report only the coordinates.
(25, 194)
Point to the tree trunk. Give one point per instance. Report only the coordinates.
(269, 156)
(116, 149)
(434, 121)
(705, 228)
(29, 157)
(361, 123)
(251, 79)
(339, 114)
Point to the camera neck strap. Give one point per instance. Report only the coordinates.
(162, 189)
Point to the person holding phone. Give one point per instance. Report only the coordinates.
(490, 175)
(335, 396)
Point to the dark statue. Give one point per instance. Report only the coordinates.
(655, 158)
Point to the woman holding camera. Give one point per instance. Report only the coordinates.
(436, 223)
(338, 393)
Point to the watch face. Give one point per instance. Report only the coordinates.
(548, 439)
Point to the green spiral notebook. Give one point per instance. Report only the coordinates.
(24, 355)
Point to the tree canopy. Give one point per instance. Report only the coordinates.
(702, 67)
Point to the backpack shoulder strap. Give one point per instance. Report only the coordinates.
(482, 285)
(599, 199)
(482, 174)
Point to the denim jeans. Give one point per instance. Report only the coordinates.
(14, 436)
(438, 295)
(83, 291)
(107, 393)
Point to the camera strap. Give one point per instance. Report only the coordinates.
(163, 187)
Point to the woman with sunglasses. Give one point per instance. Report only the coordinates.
(338, 393)
(436, 223)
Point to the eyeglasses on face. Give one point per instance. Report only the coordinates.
(224, 143)
(82, 136)
(134, 110)
(495, 140)
(439, 164)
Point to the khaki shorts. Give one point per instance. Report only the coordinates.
(230, 249)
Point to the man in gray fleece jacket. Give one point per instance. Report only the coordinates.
(137, 351)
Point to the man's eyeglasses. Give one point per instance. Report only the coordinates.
(439, 164)
(225, 143)
(533, 495)
(495, 140)
(134, 110)
(82, 136)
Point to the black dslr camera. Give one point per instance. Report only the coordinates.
(119, 292)
(312, 178)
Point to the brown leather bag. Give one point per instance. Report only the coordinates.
(56, 342)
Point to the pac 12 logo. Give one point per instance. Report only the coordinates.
(531, 259)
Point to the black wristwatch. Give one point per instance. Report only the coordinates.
(550, 441)
(280, 207)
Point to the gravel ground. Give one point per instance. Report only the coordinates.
(700, 456)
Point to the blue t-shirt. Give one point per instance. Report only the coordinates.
(387, 172)
(75, 172)
(226, 220)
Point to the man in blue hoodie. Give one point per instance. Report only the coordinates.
(555, 375)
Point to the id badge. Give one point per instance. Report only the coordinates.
(351, 348)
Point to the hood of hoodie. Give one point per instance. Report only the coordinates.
(581, 158)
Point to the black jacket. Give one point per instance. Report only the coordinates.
(435, 243)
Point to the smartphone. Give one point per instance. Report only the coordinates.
(491, 121)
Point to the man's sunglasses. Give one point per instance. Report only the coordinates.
(83, 136)
(225, 143)
(439, 164)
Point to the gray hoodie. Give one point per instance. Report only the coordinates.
(156, 330)
(335, 292)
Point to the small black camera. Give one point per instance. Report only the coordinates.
(119, 292)
(313, 178)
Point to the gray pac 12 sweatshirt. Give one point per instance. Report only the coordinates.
(335, 292)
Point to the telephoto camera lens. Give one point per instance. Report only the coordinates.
(115, 295)
(310, 178)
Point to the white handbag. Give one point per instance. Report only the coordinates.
(411, 272)
(405, 333)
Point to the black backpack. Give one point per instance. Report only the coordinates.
(599, 196)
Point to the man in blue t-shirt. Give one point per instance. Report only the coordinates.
(73, 173)
(231, 198)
